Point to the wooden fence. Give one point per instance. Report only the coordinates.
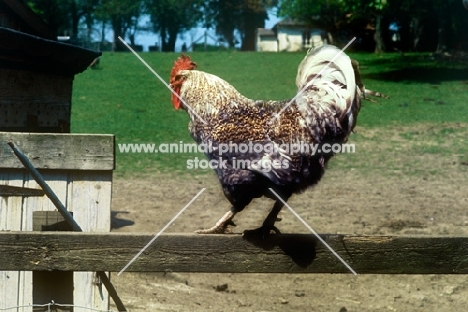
(286, 253)
(78, 167)
(79, 170)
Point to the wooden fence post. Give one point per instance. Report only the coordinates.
(78, 168)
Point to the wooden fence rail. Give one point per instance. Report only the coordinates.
(286, 253)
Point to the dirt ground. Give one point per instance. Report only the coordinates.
(386, 201)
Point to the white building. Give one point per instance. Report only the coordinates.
(289, 35)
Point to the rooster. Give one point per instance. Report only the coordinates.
(324, 110)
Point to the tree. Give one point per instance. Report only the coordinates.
(245, 16)
(371, 11)
(170, 17)
(452, 25)
(430, 25)
(225, 16)
(327, 14)
(123, 16)
(339, 16)
(253, 16)
(65, 16)
(56, 13)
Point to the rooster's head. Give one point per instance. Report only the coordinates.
(184, 62)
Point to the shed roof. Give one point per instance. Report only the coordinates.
(23, 51)
(266, 32)
(289, 22)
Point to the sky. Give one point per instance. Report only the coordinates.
(146, 38)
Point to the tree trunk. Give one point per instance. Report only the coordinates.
(162, 33)
(443, 33)
(75, 19)
(251, 21)
(229, 36)
(172, 39)
(168, 38)
(405, 35)
(378, 35)
(118, 32)
(89, 24)
(248, 41)
(416, 33)
(132, 39)
(103, 32)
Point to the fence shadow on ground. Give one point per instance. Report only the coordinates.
(117, 223)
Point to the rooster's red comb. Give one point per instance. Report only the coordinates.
(184, 62)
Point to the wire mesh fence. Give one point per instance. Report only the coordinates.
(52, 307)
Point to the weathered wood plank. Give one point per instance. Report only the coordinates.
(8, 190)
(90, 201)
(59, 151)
(90, 196)
(231, 253)
(87, 193)
(15, 287)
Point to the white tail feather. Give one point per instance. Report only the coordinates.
(327, 64)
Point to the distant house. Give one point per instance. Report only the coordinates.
(289, 35)
(267, 41)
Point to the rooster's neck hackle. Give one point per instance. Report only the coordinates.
(207, 94)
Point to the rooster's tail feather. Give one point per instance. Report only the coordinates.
(328, 67)
(327, 84)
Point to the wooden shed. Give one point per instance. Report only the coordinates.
(36, 80)
(36, 72)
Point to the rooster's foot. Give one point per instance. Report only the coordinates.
(222, 226)
(215, 230)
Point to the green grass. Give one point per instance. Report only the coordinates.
(124, 98)
(421, 89)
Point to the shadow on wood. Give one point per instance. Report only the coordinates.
(301, 249)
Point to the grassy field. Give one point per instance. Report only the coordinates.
(427, 112)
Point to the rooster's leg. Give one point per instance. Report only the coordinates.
(272, 217)
(221, 226)
(269, 223)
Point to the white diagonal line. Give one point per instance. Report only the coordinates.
(315, 233)
(160, 232)
(310, 82)
(162, 80)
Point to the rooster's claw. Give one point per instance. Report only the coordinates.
(215, 230)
